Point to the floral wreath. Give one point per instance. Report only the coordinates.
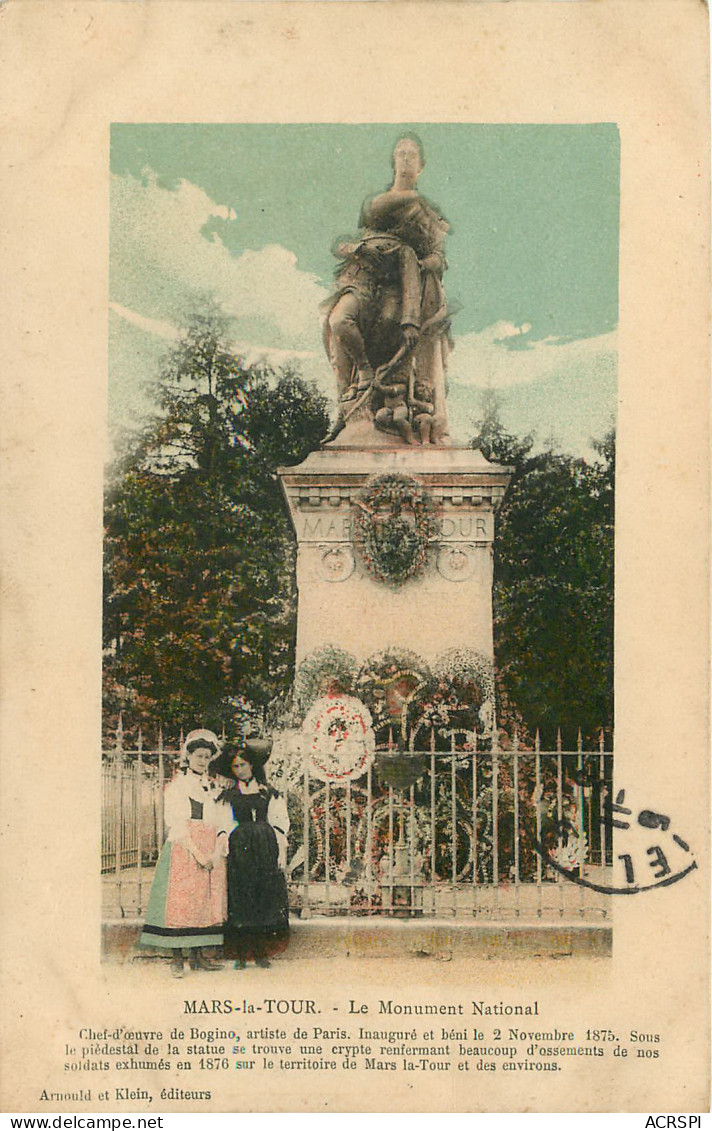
(340, 737)
(458, 699)
(322, 667)
(286, 764)
(573, 853)
(393, 549)
(465, 665)
(381, 671)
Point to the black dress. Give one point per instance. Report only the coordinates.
(257, 904)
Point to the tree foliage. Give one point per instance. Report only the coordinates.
(200, 605)
(200, 601)
(553, 591)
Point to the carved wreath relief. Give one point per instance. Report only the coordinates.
(394, 522)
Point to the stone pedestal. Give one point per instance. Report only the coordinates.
(448, 606)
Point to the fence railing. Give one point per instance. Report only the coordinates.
(462, 831)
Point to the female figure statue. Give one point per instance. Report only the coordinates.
(387, 323)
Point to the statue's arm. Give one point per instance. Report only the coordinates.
(423, 406)
(410, 283)
(435, 262)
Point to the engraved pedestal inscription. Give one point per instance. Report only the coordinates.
(345, 602)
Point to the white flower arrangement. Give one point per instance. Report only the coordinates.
(339, 734)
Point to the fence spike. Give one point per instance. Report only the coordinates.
(119, 744)
(120, 814)
(558, 740)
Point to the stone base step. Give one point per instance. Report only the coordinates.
(341, 937)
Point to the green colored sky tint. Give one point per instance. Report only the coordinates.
(534, 209)
(533, 250)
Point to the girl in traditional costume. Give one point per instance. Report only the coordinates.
(257, 905)
(188, 901)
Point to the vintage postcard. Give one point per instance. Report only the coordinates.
(357, 540)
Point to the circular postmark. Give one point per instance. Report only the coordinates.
(644, 851)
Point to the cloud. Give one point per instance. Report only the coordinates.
(504, 355)
(248, 351)
(506, 332)
(165, 248)
(153, 326)
(169, 242)
(252, 354)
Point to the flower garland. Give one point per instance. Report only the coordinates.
(388, 682)
(460, 696)
(393, 548)
(325, 670)
(466, 666)
(340, 735)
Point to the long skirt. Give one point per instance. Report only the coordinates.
(188, 904)
(257, 902)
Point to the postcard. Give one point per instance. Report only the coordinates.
(356, 541)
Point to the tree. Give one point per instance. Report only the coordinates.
(200, 605)
(494, 441)
(553, 590)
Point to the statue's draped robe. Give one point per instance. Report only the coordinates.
(395, 267)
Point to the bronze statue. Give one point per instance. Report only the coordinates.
(386, 326)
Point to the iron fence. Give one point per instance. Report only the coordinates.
(462, 831)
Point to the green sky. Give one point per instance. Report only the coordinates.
(533, 250)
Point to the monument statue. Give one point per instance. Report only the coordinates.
(386, 329)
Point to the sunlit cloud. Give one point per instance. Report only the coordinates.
(166, 249)
(153, 326)
(504, 355)
(250, 352)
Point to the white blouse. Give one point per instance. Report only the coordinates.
(177, 808)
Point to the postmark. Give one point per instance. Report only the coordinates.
(648, 853)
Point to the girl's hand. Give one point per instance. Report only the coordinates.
(201, 860)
